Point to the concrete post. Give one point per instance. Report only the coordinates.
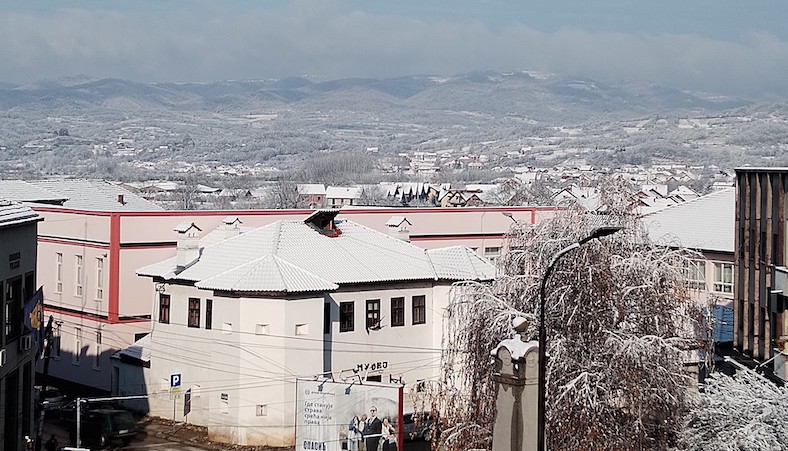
(517, 376)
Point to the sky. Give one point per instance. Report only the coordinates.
(716, 46)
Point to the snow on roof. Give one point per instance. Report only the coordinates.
(343, 192)
(95, 195)
(396, 221)
(13, 213)
(293, 256)
(139, 350)
(22, 191)
(704, 223)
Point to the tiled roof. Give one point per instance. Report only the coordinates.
(706, 223)
(294, 256)
(460, 263)
(22, 191)
(95, 195)
(13, 213)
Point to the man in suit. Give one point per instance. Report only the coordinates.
(372, 430)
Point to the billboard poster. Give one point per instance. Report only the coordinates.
(348, 416)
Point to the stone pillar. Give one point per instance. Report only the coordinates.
(517, 376)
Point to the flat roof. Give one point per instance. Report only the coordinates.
(762, 169)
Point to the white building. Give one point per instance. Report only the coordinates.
(239, 320)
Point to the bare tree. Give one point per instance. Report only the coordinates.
(619, 321)
(283, 194)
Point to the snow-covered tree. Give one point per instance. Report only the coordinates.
(618, 324)
(743, 412)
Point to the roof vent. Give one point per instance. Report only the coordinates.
(324, 221)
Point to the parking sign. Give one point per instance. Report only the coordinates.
(175, 380)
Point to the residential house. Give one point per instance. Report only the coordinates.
(238, 321)
(338, 196)
(18, 225)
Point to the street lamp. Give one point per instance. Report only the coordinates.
(540, 426)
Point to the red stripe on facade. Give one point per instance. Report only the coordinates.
(48, 309)
(114, 268)
(73, 243)
(455, 237)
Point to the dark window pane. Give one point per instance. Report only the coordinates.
(164, 308)
(208, 313)
(194, 312)
(346, 317)
(419, 310)
(397, 312)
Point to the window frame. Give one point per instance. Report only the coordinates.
(164, 308)
(418, 310)
(372, 313)
(209, 314)
(398, 311)
(99, 278)
(692, 270)
(723, 284)
(58, 272)
(79, 269)
(347, 313)
(193, 318)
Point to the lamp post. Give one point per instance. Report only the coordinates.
(540, 426)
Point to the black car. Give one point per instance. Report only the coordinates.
(102, 427)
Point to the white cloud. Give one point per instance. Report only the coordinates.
(310, 37)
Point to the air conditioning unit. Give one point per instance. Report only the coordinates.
(2, 357)
(25, 342)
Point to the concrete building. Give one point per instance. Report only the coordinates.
(237, 321)
(18, 226)
(761, 329)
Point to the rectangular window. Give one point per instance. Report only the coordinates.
(97, 355)
(13, 308)
(346, 315)
(419, 309)
(302, 329)
(164, 308)
(209, 313)
(373, 314)
(77, 346)
(397, 312)
(59, 273)
(78, 276)
(723, 277)
(262, 329)
(99, 279)
(13, 260)
(56, 341)
(225, 403)
(194, 312)
(262, 410)
(492, 254)
(695, 274)
(326, 317)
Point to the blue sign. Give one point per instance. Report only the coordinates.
(175, 380)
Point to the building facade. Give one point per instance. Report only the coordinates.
(239, 320)
(761, 330)
(18, 226)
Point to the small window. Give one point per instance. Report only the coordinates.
(59, 273)
(302, 329)
(695, 274)
(346, 315)
(262, 329)
(164, 308)
(492, 254)
(77, 346)
(56, 341)
(327, 318)
(78, 276)
(373, 314)
(397, 312)
(99, 279)
(723, 277)
(419, 309)
(194, 312)
(225, 403)
(209, 313)
(262, 410)
(98, 350)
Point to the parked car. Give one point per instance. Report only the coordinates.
(418, 426)
(103, 427)
(68, 413)
(53, 398)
